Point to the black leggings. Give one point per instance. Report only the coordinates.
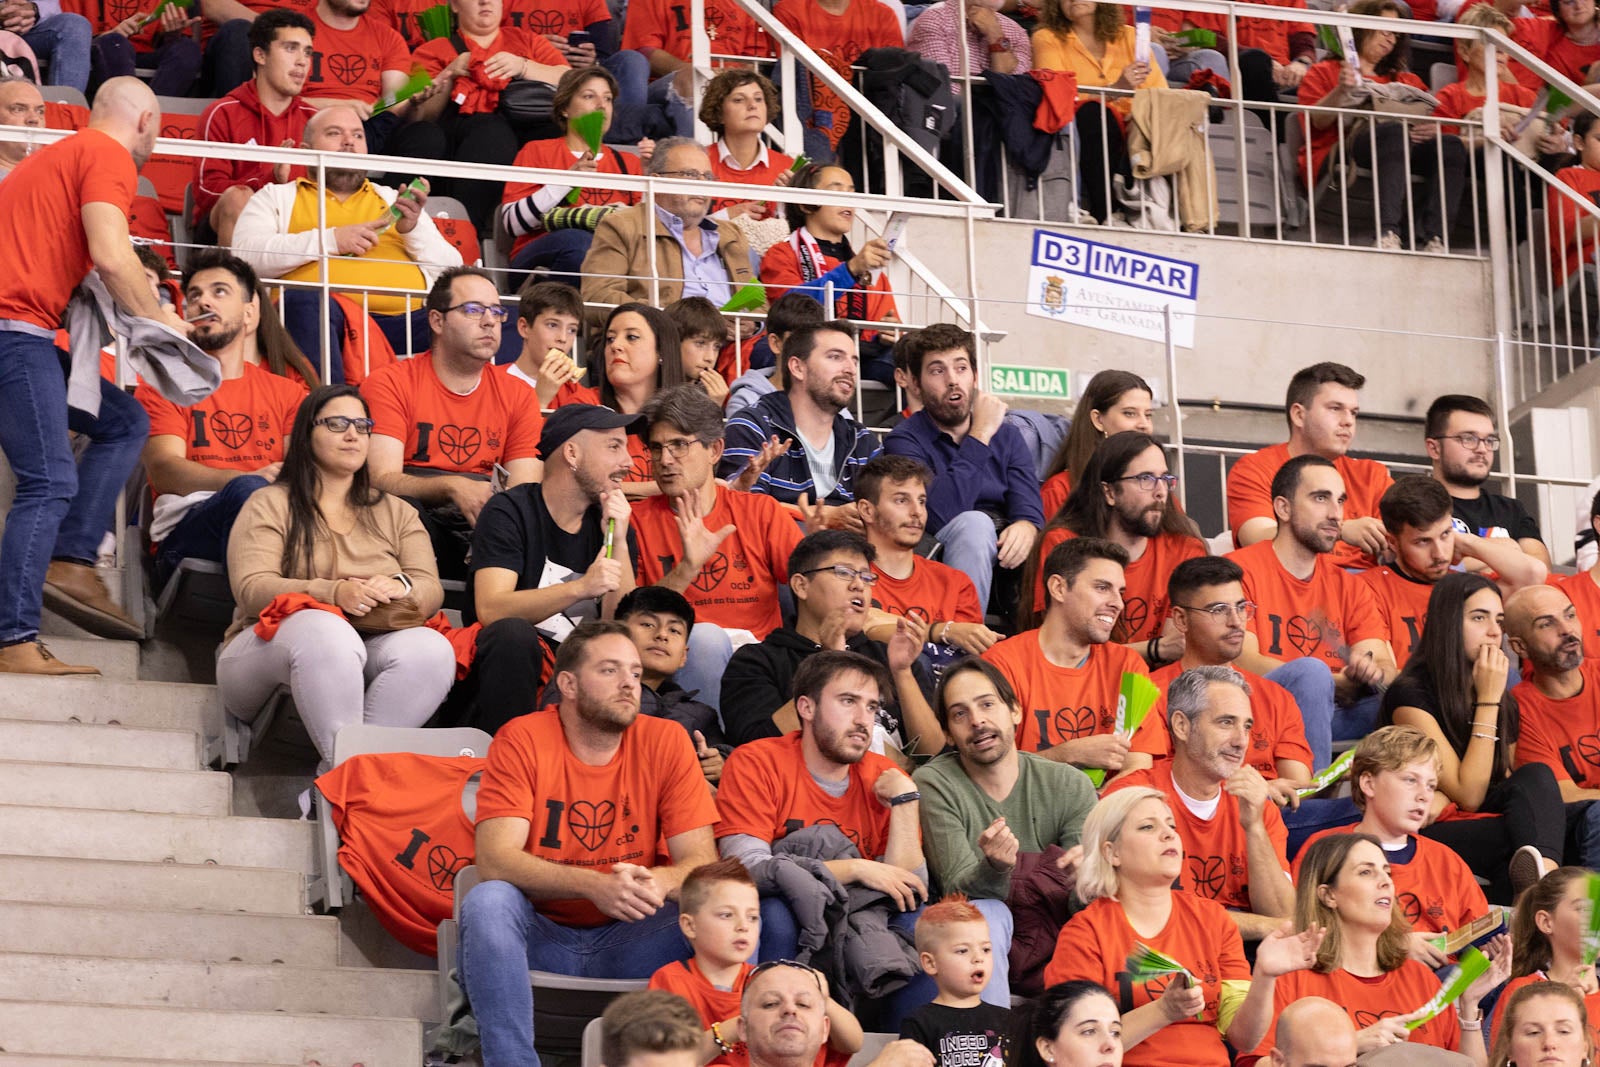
(1102, 152)
(1528, 803)
(481, 138)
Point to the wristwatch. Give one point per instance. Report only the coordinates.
(999, 46)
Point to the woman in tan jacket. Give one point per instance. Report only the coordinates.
(323, 531)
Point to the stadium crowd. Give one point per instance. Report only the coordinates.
(817, 730)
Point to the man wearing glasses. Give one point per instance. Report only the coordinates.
(376, 238)
(694, 255)
(444, 420)
(831, 577)
(1462, 445)
(1211, 614)
(1310, 608)
(204, 461)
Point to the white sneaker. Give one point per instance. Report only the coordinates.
(1435, 246)
(1390, 242)
(1077, 216)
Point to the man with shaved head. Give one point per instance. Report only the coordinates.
(65, 212)
(20, 105)
(364, 244)
(1559, 702)
(1314, 1032)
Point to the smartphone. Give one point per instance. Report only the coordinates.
(579, 38)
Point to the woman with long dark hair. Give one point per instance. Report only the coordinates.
(1113, 501)
(1363, 963)
(360, 556)
(1112, 402)
(1073, 1024)
(276, 350)
(1453, 689)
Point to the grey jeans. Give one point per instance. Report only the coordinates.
(338, 677)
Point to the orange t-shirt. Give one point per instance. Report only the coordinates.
(439, 53)
(555, 16)
(1213, 849)
(1547, 39)
(243, 426)
(1562, 734)
(1095, 943)
(556, 154)
(1250, 492)
(713, 1005)
(767, 792)
(864, 24)
(1403, 606)
(1279, 731)
(349, 64)
(1592, 1002)
(1584, 592)
(1436, 889)
(664, 24)
(1330, 611)
(589, 816)
(933, 592)
(1144, 602)
(1054, 493)
(1567, 253)
(1269, 35)
(41, 225)
(1063, 703)
(497, 422)
(1456, 102)
(738, 587)
(1367, 1000)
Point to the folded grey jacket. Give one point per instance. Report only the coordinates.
(171, 363)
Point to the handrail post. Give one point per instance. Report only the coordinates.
(1172, 397)
(1502, 385)
(1494, 197)
(324, 270)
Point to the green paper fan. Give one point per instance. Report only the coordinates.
(1145, 963)
(750, 296)
(591, 126)
(434, 22)
(418, 81)
(1195, 37)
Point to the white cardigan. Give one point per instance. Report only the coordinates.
(261, 236)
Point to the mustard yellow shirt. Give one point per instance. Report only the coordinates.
(387, 264)
(1056, 51)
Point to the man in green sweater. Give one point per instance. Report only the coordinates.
(986, 804)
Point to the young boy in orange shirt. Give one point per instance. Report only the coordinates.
(719, 913)
(958, 1027)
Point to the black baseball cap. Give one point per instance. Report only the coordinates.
(568, 419)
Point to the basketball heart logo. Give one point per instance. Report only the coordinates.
(232, 428)
(1304, 634)
(459, 443)
(183, 133)
(1207, 874)
(1073, 723)
(443, 866)
(1411, 907)
(1135, 613)
(1365, 1019)
(121, 10)
(542, 22)
(346, 67)
(712, 573)
(591, 823)
(1589, 748)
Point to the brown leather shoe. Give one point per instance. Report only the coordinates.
(74, 591)
(31, 657)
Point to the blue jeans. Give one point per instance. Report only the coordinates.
(175, 60)
(1316, 814)
(62, 42)
(1583, 830)
(971, 545)
(629, 116)
(561, 252)
(1310, 682)
(677, 112)
(116, 440)
(59, 510)
(707, 657)
(203, 531)
(503, 938)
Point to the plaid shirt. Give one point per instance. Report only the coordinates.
(933, 34)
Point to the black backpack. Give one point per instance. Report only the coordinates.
(912, 91)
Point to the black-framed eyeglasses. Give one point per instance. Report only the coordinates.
(341, 423)
(1472, 441)
(677, 448)
(847, 573)
(1244, 609)
(476, 311)
(770, 964)
(1147, 481)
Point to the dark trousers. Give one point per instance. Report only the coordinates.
(175, 60)
(506, 679)
(203, 531)
(1102, 152)
(485, 138)
(1433, 203)
(1531, 812)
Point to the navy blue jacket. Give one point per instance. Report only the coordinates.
(790, 475)
(997, 478)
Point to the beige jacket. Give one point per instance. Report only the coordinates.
(1167, 135)
(393, 542)
(617, 268)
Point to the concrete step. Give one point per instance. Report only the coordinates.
(174, 1035)
(281, 844)
(157, 705)
(66, 785)
(100, 1061)
(44, 741)
(141, 934)
(218, 986)
(164, 886)
(117, 660)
